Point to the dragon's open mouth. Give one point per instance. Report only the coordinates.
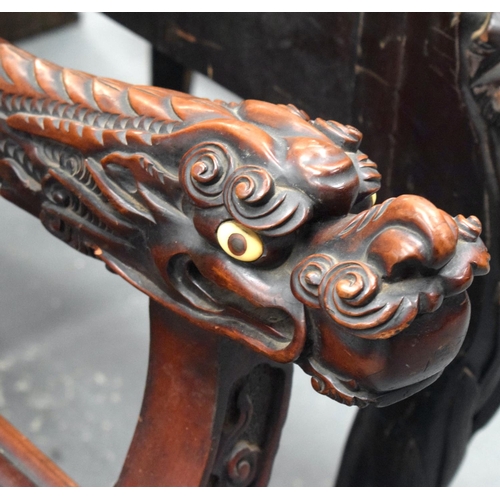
(203, 295)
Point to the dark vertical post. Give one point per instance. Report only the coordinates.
(168, 73)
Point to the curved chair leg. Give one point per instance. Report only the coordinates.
(212, 410)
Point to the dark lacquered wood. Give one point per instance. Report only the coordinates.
(169, 74)
(300, 58)
(243, 222)
(40, 468)
(18, 25)
(449, 157)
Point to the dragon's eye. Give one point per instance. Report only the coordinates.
(239, 242)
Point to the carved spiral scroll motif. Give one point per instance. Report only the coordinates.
(72, 163)
(109, 168)
(242, 463)
(203, 172)
(350, 295)
(307, 278)
(253, 199)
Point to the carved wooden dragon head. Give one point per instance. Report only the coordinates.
(249, 219)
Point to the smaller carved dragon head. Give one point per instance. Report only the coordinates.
(391, 317)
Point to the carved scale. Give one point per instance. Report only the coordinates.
(253, 230)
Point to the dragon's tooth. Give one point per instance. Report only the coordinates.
(80, 114)
(59, 109)
(111, 121)
(38, 105)
(108, 137)
(51, 106)
(123, 122)
(165, 128)
(78, 127)
(48, 122)
(138, 136)
(102, 119)
(16, 103)
(8, 102)
(90, 117)
(121, 136)
(155, 126)
(147, 122)
(146, 137)
(97, 133)
(93, 136)
(26, 104)
(69, 112)
(38, 120)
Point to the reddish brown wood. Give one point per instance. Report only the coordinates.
(179, 403)
(11, 475)
(190, 381)
(370, 300)
(42, 470)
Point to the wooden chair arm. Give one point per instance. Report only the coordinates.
(255, 233)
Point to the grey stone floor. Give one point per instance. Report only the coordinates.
(74, 338)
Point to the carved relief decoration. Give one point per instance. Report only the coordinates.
(247, 443)
(143, 178)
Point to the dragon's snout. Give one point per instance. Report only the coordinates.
(403, 287)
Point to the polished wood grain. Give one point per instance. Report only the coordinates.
(423, 88)
(369, 299)
(42, 470)
(11, 475)
(190, 388)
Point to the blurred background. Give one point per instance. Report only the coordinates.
(74, 337)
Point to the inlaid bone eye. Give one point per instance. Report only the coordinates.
(239, 242)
